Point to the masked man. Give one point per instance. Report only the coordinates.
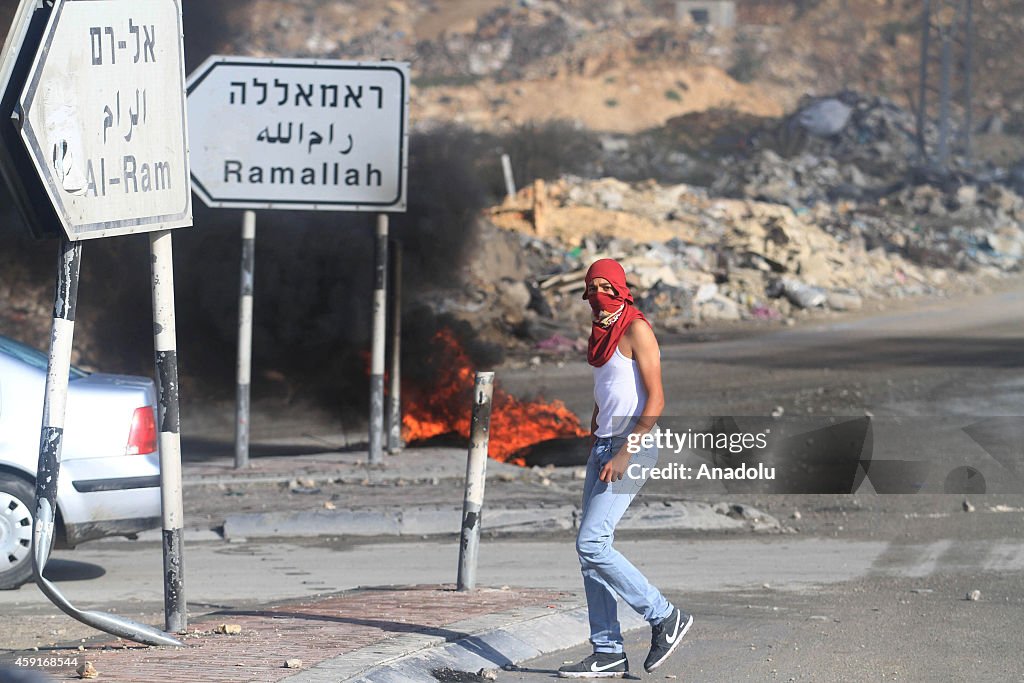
(628, 400)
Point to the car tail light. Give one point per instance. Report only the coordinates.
(142, 437)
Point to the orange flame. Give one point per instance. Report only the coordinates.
(445, 408)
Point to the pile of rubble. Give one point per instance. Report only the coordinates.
(693, 258)
(537, 38)
(838, 147)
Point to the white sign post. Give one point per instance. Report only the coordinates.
(319, 135)
(102, 118)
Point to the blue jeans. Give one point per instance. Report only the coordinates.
(606, 573)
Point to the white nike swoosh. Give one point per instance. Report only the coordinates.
(675, 632)
(595, 668)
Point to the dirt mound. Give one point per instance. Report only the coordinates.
(618, 100)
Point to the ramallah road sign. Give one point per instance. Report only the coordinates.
(299, 134)
(103, 117)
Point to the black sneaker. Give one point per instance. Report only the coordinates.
(666, 636)
(597, 665)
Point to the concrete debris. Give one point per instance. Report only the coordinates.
(844, 300)
(87, 670)
(293, 664)
(973, 596)
(825, 117)
(826, 221)
(745, 512)
(447, 674)
(228, 629)
(798, 293)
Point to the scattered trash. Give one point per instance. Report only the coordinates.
(747, 512)
(446, 674)
(974, 595)
(293, 664)
(303, 486)
(967, 506)
(558, 343)
(800, 294)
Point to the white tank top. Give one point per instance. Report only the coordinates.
(619, 393)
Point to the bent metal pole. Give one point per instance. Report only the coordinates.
(379, 332)
(476, 476)
(245, 341)
(165, 348)
(51, 437)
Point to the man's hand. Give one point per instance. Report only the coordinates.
(616, 467)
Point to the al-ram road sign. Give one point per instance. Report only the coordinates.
(103, 117)
(299, 134)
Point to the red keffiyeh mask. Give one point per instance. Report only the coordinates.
(613, 313)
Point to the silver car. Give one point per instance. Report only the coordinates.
(109, 481)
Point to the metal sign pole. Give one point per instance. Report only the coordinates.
(48, 470)
(245, 340)
(165, 348)
(945, 94)
(968, 79)
(510, 183)
(379, 332)
(395, 444)
(476, 477)
(922, 100)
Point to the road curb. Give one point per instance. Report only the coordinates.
(491, 641)
(428, 521)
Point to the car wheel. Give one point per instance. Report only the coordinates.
(16, 499)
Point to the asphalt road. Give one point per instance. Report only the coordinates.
(958, 356)
(872, 588)
(813, 608)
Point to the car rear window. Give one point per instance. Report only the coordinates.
(32, 357)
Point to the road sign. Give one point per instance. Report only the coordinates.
(103, 117)
(23, 41)
(299, 134)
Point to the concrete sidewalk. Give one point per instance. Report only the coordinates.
(415, 493)
(373, 634)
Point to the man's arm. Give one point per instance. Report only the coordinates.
(647, 355)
